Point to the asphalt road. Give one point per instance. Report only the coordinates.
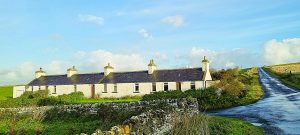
(277, 113)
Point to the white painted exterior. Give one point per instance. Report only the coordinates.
(40, 73)
(151, 67)
(18, 91)
(108, 69)
(205, 69)
(71, 71)
(122, 89)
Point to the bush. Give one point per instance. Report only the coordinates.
(40, 98)
(72, 97)
(185, 124)
(207, 98)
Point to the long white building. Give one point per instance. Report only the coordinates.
(119, 84)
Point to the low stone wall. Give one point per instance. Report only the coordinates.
(178, 104)
(154, 121)
(155, 118)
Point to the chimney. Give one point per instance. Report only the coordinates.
(205, 69)
(151, 67)
(71, 71)
(39, 73)
(108, 69)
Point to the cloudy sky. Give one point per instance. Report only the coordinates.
(56, 34)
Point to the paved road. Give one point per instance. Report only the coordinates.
(277, 113)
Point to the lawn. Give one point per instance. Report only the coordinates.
(6, 92)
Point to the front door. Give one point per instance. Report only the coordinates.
(93, 91)
(178, 86)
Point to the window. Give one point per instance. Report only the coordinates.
(154, 87)
(166, 87)
(115, 88)
(75, 88)
(105, 88)
(54, 92)
(137, 88)
(193, 86)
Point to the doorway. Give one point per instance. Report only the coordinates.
(178, 85)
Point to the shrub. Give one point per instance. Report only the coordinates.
(72, 97)
(185, 124)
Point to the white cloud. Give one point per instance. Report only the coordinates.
(91, 18)
(96, 60)
(285, 51)
(144, 33)
(224, 58)
(175, 21)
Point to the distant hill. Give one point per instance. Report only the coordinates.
(285, 68)
(289, 73)
(6, 92)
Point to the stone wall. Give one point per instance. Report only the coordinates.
(155, 121)
(178, 104)
(155, 118)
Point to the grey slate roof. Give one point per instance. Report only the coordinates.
(172, 75)
(64, 80)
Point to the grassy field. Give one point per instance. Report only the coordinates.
(6, 92)
(230, 126)
(289, 74)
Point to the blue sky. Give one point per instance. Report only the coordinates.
(57, 34)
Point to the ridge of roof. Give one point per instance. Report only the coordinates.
(124, 71)
(156, 70)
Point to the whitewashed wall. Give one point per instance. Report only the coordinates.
(123, 89)
(18, 91)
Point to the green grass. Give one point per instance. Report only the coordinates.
(6, 92)
(183, 124)
(292, 80)
(230, 126)
(287, 64)
(88, 100)
(254, 92)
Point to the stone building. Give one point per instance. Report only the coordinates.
(118, 84)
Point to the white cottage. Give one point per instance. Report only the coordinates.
(119, 84)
